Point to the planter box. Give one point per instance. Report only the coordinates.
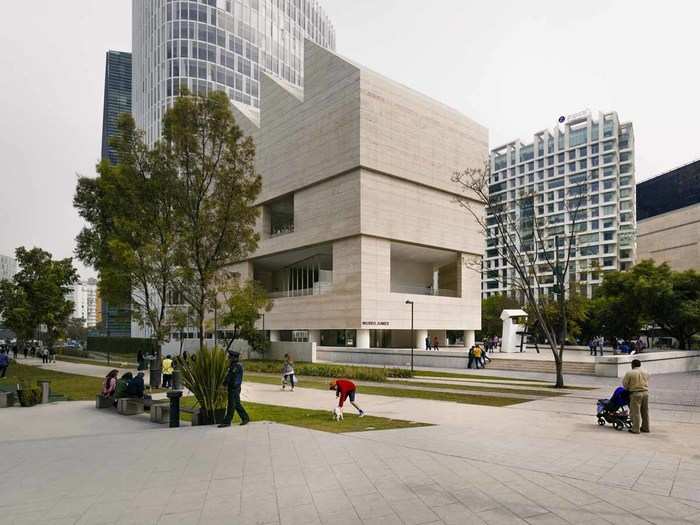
(200, 417)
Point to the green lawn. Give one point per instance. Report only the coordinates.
(484, 388)
(313, 419)
(74, 387)
(322, 384)
(496, 379)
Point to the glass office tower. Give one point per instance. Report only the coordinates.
(588, 160)
(117, 98)
(218, 45)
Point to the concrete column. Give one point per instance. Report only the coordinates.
(362, 338)
(469, 338)
(419, 338)
(274, 336)
(315, 336)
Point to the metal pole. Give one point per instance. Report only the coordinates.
(215, 321)
(413, 341)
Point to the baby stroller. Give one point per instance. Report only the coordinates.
(613, 410)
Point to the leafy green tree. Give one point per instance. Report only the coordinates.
(241, 307)
(577, 307)
(216, 191)
(130, 234)
(491, 309)
(36, 296)
(649, 294)
(75, 330)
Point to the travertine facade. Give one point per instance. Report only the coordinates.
(359, 210)
(672, 237)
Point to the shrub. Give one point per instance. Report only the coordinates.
(121, 345)
(204, 377)
(361, 373)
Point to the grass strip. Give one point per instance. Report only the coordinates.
(457, 375)
(485, 388)
(73, 386)
(398, 392)
(313, 419)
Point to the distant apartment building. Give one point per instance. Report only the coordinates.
(84, 297)
(8, 267)
(668, 218)
(117, 98)
(578, 178)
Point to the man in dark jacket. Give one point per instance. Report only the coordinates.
(136, 387)
(233, 382)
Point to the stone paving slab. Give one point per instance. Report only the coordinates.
(272, 474)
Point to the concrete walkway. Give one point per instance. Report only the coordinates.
(116, 471)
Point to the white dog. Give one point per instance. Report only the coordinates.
(338, 414)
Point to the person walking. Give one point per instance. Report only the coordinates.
(436, 343)
(4, 362)
(233, 382)
(25, 350)
(484, 357)
(345, 389)
(636, 382)
(140, 360)
(45, 355)
(168, 371)
(288, 372)
(471, 357)
(477, 356)
(427, 343)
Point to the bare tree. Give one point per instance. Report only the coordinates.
(530, 244)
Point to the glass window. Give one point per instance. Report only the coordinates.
(582, 164)
(625, 181)
(608, 236)
(560, 157)
(572, 154)
(609, 210)
(594, 149)
(608, 223)
(582, 152)
(594, 199)
(607, 159)
(594, 225)
(578, 136)
(608, 184)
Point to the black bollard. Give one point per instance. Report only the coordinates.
(174, 396)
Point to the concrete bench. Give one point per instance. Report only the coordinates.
(129, 406)
(160, 412)
(7, 399)
(103, 402)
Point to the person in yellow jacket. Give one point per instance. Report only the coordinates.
(168, 372)
(477, 356)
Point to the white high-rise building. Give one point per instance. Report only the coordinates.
(217, 45)
(84, 297)
(8, 267)
(587, 159)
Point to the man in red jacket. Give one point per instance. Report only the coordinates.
(345, 389)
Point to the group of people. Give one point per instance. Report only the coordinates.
(619, 346)
(477, 357)
(432, 344)
(127, 385)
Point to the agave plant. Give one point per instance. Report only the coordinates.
(203, 375)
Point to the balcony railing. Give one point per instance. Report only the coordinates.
(423, 290)
(317, 289)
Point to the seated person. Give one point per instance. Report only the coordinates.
(136, 387)
(110, 384)
(120, 390)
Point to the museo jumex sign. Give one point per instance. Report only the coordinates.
(375, 323)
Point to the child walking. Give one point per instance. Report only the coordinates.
(288, 372)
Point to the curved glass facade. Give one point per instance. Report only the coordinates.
(217, 45)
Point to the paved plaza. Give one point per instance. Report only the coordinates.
(540, 462)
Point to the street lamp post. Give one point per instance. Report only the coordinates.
(413, 341)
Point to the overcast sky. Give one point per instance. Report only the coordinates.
(513, 66)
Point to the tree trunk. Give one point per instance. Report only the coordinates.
(560, 374)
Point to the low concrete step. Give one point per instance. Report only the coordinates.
(525, 365)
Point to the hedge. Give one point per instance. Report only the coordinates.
(362, 373)
(121, 345)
